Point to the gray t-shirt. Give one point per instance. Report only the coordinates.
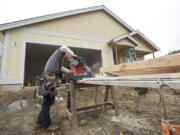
(55, 62)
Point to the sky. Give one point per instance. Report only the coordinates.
(159, 20)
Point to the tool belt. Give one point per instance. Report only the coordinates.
(45, 85)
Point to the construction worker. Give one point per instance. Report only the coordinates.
(53, 67)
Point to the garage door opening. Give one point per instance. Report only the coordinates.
(38, 54)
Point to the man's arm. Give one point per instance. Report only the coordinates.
(65, 70)
(67, 50)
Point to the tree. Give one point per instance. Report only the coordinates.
(173, 52)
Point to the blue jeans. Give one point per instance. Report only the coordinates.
(44, 115)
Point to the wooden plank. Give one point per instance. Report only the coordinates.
(69, 115)
(137, 77)
(96, 109)
(160, 62)
(148, 71)
(141, 84)
(69, 74)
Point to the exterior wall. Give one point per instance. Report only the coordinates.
(1, 43)
(94, 24)
(1, 38)
(0, 64)
(16, 46)
(89, 25)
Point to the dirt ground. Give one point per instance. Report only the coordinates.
(146, 121)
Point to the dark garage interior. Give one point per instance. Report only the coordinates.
(38, 54)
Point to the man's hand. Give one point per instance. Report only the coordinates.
(74, 56)
(70, 71)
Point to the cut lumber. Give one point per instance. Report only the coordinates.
(69, 74)
(148, 71)
(164, 64)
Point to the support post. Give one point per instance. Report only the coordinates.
(99, 95)
(114, 98)
(73, 105)
(106, 94)
(134, 52)
(116, 54)
(68, 100)
(153, 55)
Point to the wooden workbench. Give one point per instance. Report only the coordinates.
(142, 81)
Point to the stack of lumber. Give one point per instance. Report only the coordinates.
(160, 65)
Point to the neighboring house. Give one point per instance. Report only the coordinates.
(95, 33)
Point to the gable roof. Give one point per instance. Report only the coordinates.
(145, 38)
(130, 37)
(116, 39)
(34, 20)
(39, 19)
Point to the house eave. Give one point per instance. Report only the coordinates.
(146, 39)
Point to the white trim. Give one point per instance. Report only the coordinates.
(133, 40)
(144, 37)
(120, 37)
(2, 46)
(44, 32)
(125, 44)
(60, 15)
(143, 49)
(54, 44)
(125, 36)
(23, 63)
(60, 44)
(4, 56)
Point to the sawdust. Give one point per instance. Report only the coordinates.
(145, 122)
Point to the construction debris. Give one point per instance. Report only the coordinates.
(83, 122)
(17, 105)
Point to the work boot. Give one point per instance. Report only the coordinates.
(52, 127)
(38, 126)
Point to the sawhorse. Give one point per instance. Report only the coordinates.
(73, 112)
